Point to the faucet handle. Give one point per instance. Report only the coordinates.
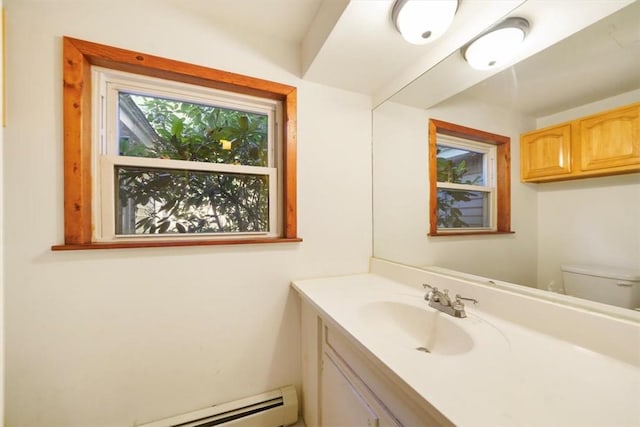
(458, 298)
(428, 286)
(432, 294)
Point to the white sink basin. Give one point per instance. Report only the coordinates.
(420, 328)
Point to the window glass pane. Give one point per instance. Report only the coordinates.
(460, 166)
(168, 129)
(460, 209)
(153, 201)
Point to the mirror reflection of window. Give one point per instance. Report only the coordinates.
(466, 185)
(467, 193)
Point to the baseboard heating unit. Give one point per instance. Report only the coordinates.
(270, 409)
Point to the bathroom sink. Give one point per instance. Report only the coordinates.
(416, 327)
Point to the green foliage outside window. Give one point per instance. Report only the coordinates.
(154, 200)
(449, 214)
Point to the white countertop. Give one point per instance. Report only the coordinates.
(511, 376)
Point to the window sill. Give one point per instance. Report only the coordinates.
(172, 243)
(468, 233)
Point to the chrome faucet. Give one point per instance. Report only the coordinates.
(441, 301)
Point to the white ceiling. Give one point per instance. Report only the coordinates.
(283, 20)
(363, 51)
(598, 62)
(349, 44)
(353, 45)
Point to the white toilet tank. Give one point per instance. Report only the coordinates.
(608, 285)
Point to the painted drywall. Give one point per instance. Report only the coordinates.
(2, 382)
(609, 103)
(117, 337)
(401, 195)
(589, 221)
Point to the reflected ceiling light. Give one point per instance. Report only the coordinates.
(422, 21)
(497, 45)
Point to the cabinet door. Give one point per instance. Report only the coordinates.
(611, 140)
(546, 153)
(341, 404)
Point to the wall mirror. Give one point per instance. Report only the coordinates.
(587, 221)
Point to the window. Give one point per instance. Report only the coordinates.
(162, 153)
(465, 184)
(469, 173)
(177, 159)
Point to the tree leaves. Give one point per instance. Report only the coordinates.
(170, 201)
(449, 214)
(176, 127)
(181, 201)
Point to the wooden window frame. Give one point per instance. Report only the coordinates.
(78, 57)
(503, 176)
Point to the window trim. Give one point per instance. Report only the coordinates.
(502, 178)
(78, 57)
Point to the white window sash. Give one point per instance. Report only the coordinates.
(464, 187)
(113, 84)
(149, 162)
(491, 206)
(465, 144)
(464, 230)
(107, 195)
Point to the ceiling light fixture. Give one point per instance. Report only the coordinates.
(422, 21)
(494, 47)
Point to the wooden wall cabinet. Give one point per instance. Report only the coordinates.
(546, 153)
(602, 144)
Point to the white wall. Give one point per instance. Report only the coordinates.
(2, 390)
(401, 195)
(587, 109)
(589, 221)
(109, 338)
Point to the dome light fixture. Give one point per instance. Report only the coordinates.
(422, 21)
(494, 47)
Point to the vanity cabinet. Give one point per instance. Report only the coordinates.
(345, 400)
(344, 385)
(343, 405)
(602, 144)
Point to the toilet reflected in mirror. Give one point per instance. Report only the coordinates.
(613, 286)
